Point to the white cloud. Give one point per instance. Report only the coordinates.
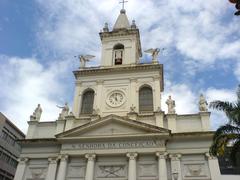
(196, 29)
(25, 83)
(185, 100)
(237, 71)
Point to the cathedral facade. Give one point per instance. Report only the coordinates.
(117, 129)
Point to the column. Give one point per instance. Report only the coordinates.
(176, 166)
(157, 93)
(62, 167)
(52, 168)
(132, 166)
(162, 166)
(213, 167)
(90, 166)
(22, 163)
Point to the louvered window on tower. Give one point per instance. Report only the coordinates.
(145, 99)
(118, 51)
(87, 102)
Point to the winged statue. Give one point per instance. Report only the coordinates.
(154, 53)
(83, 59)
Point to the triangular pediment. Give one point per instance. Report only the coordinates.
(113, 125)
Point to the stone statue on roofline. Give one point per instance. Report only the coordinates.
(171, 105)
(36, 114)
(64, 112)
(203, 105)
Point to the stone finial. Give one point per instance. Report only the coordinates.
(171, 105)
(64, 112)
(36, 114)
(202, 104)
(105, 28)
(133, 25)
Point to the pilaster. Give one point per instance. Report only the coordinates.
(52, 168)
(77, 99)
(133, 93)
(99, 94)
(176, 166)
(172, 122)
(205, 119)
(159, 115)
(21, 168)
(213, 167)
(32, 125)
(157, 93)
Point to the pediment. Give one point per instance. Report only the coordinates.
(113, 125)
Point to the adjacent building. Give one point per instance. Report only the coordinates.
(10, 149)
(117, 129)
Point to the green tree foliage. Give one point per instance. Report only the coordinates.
(228, 134)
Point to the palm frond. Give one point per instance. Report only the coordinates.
(226, 129)
(220, 143)
(238, 93)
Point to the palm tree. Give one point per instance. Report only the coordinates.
(228, 134)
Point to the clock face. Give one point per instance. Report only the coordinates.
(115, 99)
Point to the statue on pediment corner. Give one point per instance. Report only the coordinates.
(171, 105)
(203, 105)
(36, 114)
(64, 112)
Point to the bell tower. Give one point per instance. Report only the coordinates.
(122, 44)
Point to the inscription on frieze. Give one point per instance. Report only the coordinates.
(115, 145)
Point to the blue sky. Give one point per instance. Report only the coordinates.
(39, 40)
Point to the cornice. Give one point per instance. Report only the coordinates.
(98, 70)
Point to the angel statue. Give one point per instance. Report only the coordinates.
(65, 110)
(83, 59)
(171, 105)
(202, 104)
(37, 113)
(154, 53)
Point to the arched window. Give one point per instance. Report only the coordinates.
(118, 50)
(145, 99)
(87, 102)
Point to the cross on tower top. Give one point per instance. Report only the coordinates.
(123, 2)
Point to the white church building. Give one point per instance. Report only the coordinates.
(117, 129)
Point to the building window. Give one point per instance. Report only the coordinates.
(145, 99)
(118, 51)
(87, 102)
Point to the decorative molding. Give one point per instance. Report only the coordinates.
(112, 171)
(90, 157)
(132, 155)
(63, 157)
(100, 82)
(23, 160)
(162, 155)
(53, 160)
(209, 156)
(175, 157)
(117, 69)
